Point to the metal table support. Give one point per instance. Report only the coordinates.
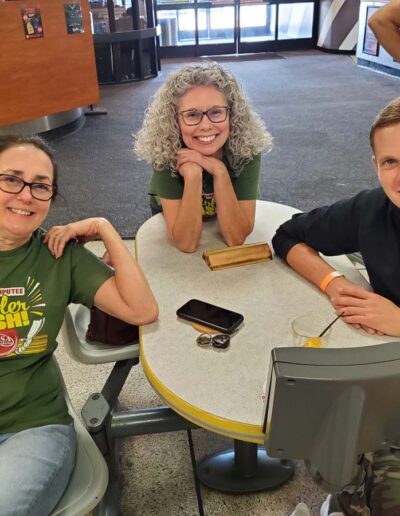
(245, 469)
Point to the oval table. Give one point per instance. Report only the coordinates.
(223, 391)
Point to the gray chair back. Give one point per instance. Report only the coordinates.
(329, 406)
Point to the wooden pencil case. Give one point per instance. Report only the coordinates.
(238, 255)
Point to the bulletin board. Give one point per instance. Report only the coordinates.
(46, 67)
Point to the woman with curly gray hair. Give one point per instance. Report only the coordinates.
(204, 142)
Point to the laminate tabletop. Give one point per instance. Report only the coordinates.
(222, 390)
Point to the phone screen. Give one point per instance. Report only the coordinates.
(210, 315)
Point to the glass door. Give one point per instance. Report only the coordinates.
(197, 28)
(275, 25)
(217, 23)
(216, 27)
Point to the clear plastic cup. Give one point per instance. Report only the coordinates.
(307, 327)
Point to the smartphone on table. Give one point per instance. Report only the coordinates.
(212, 316)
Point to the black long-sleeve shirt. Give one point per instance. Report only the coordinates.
(368, 222)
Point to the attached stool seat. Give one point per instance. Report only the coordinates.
(73, 333)
(103, 417)
(89, 478)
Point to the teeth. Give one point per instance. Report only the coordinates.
(21, 212)
(206, 138)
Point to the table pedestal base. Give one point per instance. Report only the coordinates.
(245, 469)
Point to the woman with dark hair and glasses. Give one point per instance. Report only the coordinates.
(40, 274)
(204, 142)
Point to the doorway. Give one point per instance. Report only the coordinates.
(216, 27)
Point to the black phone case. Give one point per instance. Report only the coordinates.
(223, 329)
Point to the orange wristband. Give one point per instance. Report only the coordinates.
(331, 276)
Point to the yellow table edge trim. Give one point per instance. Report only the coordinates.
(226, 427)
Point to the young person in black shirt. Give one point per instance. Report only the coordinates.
(369, 223)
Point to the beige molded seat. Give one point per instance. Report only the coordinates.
(104, 491)
(89, 479)
(102, 415)
(73, 333)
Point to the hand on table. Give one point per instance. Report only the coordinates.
(83, 230)
(372, 312)
(334, 290)
(212, 165)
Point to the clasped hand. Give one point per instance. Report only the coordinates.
(367, 310)
(188, 157)
(82, 230)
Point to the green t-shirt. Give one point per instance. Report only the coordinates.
(165, 185)
(35, 289)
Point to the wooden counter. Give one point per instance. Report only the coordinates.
(44, 75)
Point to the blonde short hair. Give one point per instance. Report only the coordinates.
(390, 115)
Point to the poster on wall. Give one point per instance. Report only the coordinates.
(371, 44)
(73, 18)
(32, 20)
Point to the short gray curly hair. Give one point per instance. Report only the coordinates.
(159, 139)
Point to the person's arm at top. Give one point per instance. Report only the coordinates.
(235, 218)
(184, 216)
(385, 23)
(127, 294)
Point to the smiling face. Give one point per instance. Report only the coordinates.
(21, 214)
(208, 137)
(386, 160)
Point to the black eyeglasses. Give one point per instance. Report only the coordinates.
(14, 185)
(220, 341)
(216, 114)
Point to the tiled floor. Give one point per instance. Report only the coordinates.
(157, 472)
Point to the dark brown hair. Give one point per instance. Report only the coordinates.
(17, 140)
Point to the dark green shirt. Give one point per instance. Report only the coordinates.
(166, 185)
(35, 289)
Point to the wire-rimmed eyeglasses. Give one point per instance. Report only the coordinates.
(14, 185)
(216, 115)
(220, 341)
